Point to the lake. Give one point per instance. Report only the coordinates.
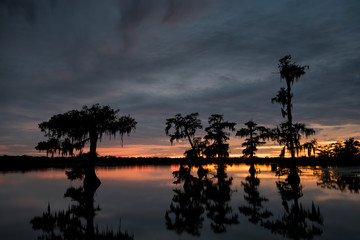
(182, 202)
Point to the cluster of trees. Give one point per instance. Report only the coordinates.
(214, 143)
(348, 149)
(287, 134)
(69, 132)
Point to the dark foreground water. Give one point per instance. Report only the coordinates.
(173, 202)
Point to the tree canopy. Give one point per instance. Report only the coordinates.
(256, 136)
(217, 136)
(184, 128)
(78, 127)
(347, 150)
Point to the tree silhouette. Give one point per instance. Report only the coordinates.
(67, 147)
(86, 125)
(310, 147)
(216, 136)
(63, 147)
(198, 150)
(51, 146)
(255, 134)
(350, 149)
(184, 128)
(326, 151)
(289, 133)
(347, 151)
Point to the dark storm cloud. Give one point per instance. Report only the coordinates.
(25, 8)
(136, 12)
(153, 59)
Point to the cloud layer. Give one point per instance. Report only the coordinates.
(154, 59)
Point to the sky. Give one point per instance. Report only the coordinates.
(153, 59)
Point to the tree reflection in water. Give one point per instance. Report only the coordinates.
(218, 195)
(297, 222)
(254, 210)
(187, 203)
(200, 194)
(76, 222)
(333, 179)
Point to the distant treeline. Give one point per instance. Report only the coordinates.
(28, 163)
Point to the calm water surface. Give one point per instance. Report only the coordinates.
(173, 202)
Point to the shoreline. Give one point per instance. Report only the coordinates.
(24, 163)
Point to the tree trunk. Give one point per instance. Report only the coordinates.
(191, 143)
(93, 142)
(252, 143)
(289, 114)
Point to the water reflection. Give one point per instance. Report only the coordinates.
(210, 193)
(254, 210)
(335, 179)
(77, 221)
(297, 222)
(218, 195)
(200, 194)
(187, 206)
(212, 201)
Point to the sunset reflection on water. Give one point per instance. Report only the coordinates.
(141, 195)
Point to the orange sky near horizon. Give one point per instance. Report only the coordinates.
(176, 151)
